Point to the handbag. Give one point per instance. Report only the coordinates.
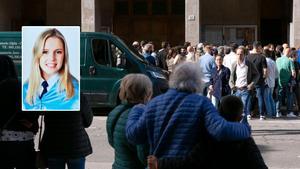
(11, 118)
(40, 160)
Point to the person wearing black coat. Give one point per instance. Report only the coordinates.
(211, 154)
(65, 140)
(162, 55)
(17, 128)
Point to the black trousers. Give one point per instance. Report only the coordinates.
(17, 154)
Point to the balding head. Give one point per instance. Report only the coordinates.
(285, 45)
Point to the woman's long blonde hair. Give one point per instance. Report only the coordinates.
(35, 76)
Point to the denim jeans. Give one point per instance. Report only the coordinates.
(205, 89)
(284, 90)
(261, 99)
(60, 163)
(269, 102)
(244, 95)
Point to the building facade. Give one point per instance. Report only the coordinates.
(176, 21)
(239, 21)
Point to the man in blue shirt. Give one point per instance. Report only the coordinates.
(208, 67)
(147, 54)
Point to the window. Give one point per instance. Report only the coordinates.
(224, 34)
(118, 58)
(100, 51)
(140, 7)
(159, 7)
(178, 7)
(121, 7)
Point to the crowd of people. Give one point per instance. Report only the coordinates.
(193, 124)
(266, 78)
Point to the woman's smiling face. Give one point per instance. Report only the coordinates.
(52, 57)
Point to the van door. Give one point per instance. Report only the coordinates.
(106, 68)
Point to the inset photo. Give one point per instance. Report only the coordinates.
(50, 68)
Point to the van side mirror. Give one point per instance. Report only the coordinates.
(92, 70)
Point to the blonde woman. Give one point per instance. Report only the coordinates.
(50, 85)
(135, 89)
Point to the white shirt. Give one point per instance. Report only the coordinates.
(241, 74)
(272, 73)
(51, 81)
(190, 57)
(229, 60)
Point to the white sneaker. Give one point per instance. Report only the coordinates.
(278, 114)
(291, 114)
(262, 118)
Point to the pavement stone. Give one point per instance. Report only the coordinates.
(277, 139)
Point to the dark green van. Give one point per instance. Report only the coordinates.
(104, 60)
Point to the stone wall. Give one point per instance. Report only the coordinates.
(229, 12)
(63, 12)
(10, 15)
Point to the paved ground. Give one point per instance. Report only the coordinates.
(278, 140)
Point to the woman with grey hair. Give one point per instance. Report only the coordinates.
(171, 123)
(187, 78)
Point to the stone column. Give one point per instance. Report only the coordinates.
(295, 25)
(192, 21)
(87, 15)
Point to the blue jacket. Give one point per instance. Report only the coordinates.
(220, 82)
(53, 99)
(150, 58)
(171, 123)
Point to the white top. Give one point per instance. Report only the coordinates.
(190, 57)
(241, 74)
(272, 73)
(229, 60)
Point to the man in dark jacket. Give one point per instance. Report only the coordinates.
(162, 55)
(260, 62)
(243, 78)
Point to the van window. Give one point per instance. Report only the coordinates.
(118, 56)
(100, 51)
